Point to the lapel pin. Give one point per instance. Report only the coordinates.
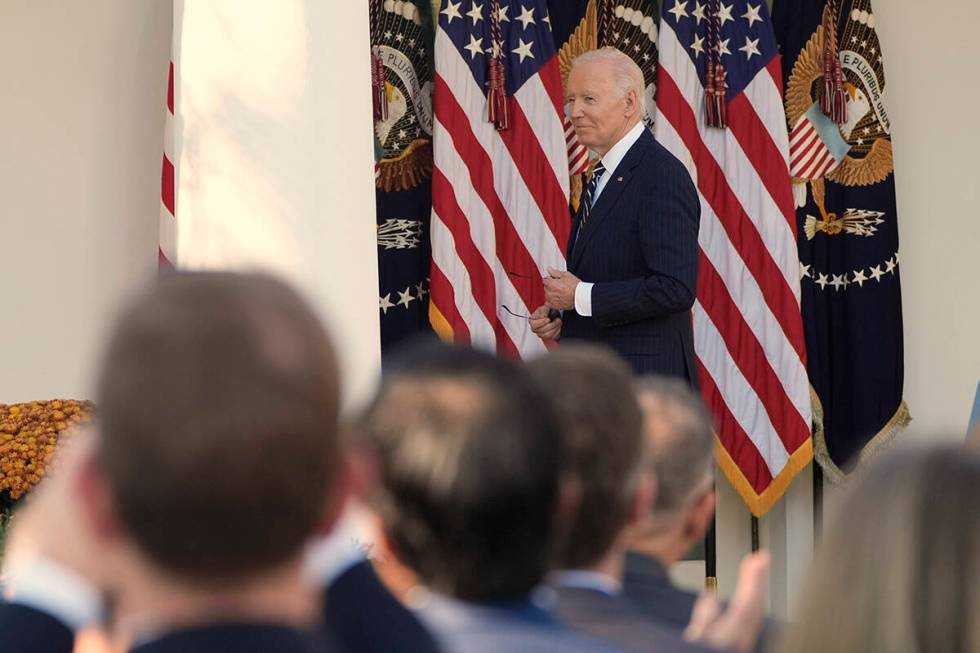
(619, 179)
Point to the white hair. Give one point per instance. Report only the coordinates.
(627, 76)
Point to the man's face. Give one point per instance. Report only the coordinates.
(599, 113)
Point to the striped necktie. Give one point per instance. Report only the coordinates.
(588, 199)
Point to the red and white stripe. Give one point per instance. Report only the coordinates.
(578, 154)
(168, 223)
(747, 324)
(810, 158)
(499, 203)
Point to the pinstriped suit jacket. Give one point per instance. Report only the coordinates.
(639, 247)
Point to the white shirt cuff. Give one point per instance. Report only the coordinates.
(55, 590)
(583, 298)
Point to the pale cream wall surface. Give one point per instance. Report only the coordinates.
(930, 51)
(275, 173)
(81, 138)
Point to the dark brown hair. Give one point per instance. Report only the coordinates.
(601, 426)
(218, 407)
(469, 456)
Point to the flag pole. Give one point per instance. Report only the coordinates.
(710, 559)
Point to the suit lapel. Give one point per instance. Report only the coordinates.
(619, 179)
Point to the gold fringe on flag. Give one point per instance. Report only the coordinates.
(439, 323)
(878, 443)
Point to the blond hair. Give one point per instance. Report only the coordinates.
(899, 567)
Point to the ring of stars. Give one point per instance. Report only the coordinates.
(860, 277)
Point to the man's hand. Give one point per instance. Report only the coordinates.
(543, 326)
(559, 289)
(51, 523)
(737, 628)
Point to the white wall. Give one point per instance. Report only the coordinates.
(81, 120)
(930, 57)
(274, 160)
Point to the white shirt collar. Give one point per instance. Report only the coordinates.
(590, 580)
(615, 155)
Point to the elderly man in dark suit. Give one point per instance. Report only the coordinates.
(632, 256)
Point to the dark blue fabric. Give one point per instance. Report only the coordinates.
(853, 325)
(237, 638)
(517, 626)
(646, 583)
(364, 616)
(640, 248)
(616, 620)
(26, 630)
(404, 259)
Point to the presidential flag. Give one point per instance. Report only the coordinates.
(721, 113)
(402, 81)
(500, 175)
(844, 186)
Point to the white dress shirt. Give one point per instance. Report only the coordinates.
(56, 590)
(589, 580)
(611, 161)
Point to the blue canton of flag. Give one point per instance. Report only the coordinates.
(745, 40)
(525, 31)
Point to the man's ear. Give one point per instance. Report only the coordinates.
(97, 503)
(632, 103)
(340, 491)
(698, 518)
(644, 496)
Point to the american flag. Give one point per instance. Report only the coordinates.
(747, 326)
(168, 228)
(499, 197)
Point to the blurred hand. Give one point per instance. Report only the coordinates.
(52, 523)
(737, 628)
(543, 326)
(559, 289)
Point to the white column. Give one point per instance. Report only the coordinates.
(276, 172)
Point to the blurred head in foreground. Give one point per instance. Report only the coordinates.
(468, 454)
(218, 409)
(602, 429)
(898, 568)
(679, 452)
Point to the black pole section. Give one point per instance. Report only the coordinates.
(755, 533)
(817, 501)
(710, 559)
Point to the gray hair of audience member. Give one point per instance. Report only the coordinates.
(680, 442)
(218, 402)
(898, 567)
(627, 76)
